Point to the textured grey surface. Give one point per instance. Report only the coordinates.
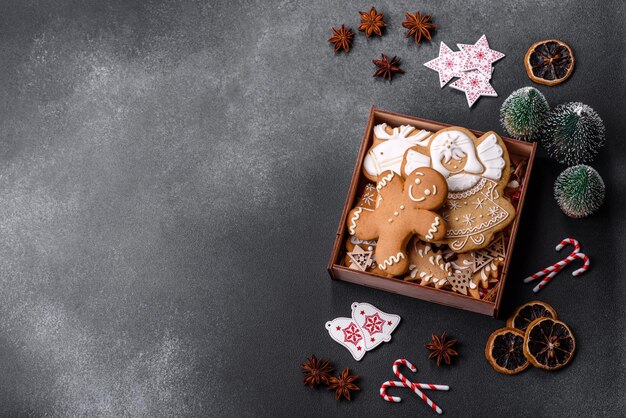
(172, 175)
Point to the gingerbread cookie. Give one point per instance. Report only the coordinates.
(405, 208)
(388, 148)
(369, 197)
(481, 271)
(477, 171)
(427, 266)
(360, 255)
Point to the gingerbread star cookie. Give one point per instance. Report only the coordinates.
(477, 171)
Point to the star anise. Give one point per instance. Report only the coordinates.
(442, 349)
(419, 26)
(387, 68)
(342, 38)
(316, 371)
(372, 22)
(343, 384)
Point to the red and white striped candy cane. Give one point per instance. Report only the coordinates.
(585, 265)
(383, 391)
(410, 384)
(556, 267)
(580, 271)
(545, 281)
(566, 241)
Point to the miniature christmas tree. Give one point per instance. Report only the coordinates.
(573, 133)
(524, 112)
(579, 191)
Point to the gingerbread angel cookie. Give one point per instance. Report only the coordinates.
(404, 208)
(477, 171)
(388, 148)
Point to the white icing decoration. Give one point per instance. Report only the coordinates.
(456, 145)
(434, 190)
(462, 181)
(482, 161)
(490, 153)
(389, 153)
(433, 228)
(421, 199)
(357, 241)
(415, 160)
(355, 217)
(383, 182)
(391, 260)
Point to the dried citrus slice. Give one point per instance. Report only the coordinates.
(505, 352)
(549, 62)
(528, 312)
(549, 344)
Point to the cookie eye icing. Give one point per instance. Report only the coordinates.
(418, 181)
(427, 192)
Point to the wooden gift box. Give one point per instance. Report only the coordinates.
(517, 149)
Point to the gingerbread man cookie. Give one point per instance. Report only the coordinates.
(388, 148)
(477, 171)
(405, 208)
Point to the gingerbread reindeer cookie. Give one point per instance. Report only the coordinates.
(404, 208)
(477, 171)
(388, 148)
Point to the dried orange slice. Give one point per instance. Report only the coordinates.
(528, 312)
(549, 344)
(549, 62)
(505, 352)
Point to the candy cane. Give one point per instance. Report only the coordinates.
(580, 271)
(571, 241)
(545, 281)
(559, 264)
(383, 391)
(555, 268)
(410, 384)
(585, 265)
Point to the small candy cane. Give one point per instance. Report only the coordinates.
(554, 269)
(585, 266)
(560, 264)
(413, 386)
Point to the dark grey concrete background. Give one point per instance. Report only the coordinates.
(172, 175)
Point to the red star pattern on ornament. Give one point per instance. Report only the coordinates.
(479, 56)
(373, 324)
(447, 64)
(352, 334)
(474, 84)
